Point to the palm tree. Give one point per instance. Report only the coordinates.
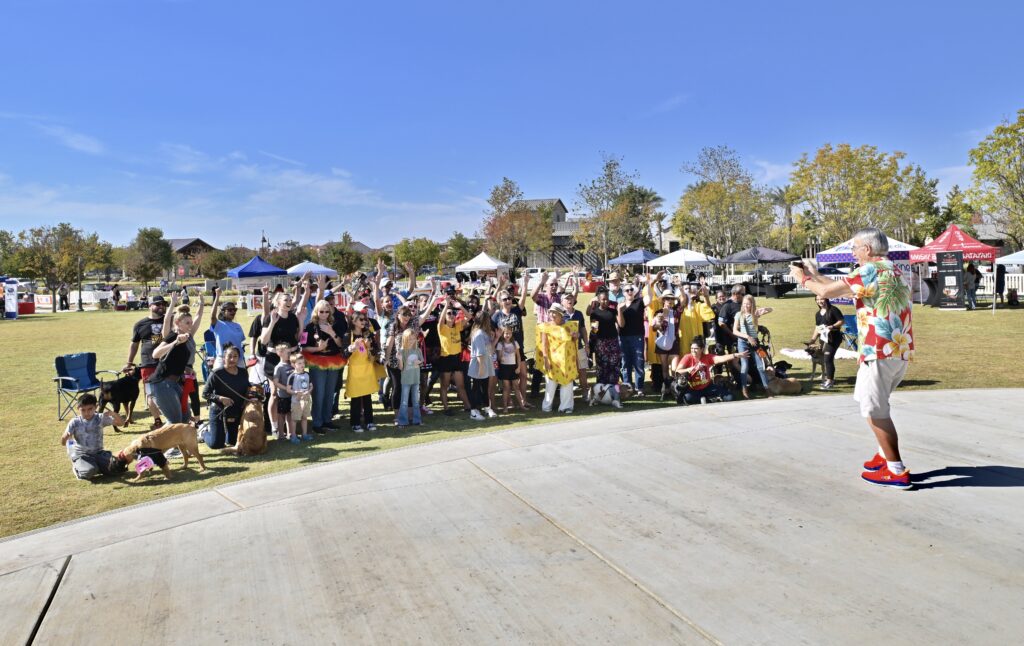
(785, 198)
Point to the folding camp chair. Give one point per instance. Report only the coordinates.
(76, 374)
(850, 331)
(208, 353)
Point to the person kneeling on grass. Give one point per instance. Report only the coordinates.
(83, 438)
(696, 366)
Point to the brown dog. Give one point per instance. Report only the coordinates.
(166, 437)
(779, 386)
(252, 439)
(817, 353)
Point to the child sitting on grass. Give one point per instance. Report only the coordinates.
(83, 438)
(301, 389)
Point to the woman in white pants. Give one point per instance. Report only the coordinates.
(560, 360)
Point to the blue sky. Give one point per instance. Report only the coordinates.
(393, 119)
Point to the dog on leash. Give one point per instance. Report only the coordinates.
(782, 385)
(182, 436)
(816, 351)
(252, 439)
(606, 394)
(124, 390)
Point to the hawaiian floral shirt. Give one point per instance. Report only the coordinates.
(883, 312)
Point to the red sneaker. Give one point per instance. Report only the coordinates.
(875, 463)
(886, 478)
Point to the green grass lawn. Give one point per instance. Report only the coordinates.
(954, 350)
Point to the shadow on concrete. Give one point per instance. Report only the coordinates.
(919, 382)
(987, 476)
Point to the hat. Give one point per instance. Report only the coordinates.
(359, 306)
(612, 277)
(558, 309)
(328, 293)
(157, 299)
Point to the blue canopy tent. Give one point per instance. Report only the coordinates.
(256, 267)
(636, 257)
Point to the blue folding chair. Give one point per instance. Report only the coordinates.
(850, 331)
(76, 374)
(208, 353)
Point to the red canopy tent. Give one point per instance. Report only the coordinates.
(953, 239)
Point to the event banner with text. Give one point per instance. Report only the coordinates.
(950, 278)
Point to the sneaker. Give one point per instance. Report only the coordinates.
(875, 463)
(357, 429)
(566, 411)
(887, 478)
(703, 400)
(294, 439)
(826, 385)
(371, 427)
(490, 412)
(426, 411)
(173, 452)
(475, 414)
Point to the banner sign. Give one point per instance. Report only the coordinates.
(11, 299)
(950, 278)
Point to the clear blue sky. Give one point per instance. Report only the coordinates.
(219, 119)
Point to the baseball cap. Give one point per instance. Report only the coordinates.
(157, 300)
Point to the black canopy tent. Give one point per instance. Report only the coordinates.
(757, 256)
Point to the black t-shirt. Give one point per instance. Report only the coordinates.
(255, 330)
(174, 362)
(286, 330)
(607, 328)
(148, 333)
(513, 320)
(314, 335)
(633, 315)
(832, 316)
(726, 316)
(224, 384)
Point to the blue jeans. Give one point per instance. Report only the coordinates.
(972, 298)
(632, 360)
(410, 400)
(744, 346)
(167, 395)
(712, 391)
(325, 382)
(220, 432)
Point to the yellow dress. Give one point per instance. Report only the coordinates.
(361, 377)
(562, 351)
(653, 308)
(691, 323)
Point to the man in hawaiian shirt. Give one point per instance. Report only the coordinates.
(884, 339)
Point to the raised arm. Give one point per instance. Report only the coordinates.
(411, 272)
(300, 311)
(522, 292)
(197, 320)
(540, 286)
(214, 307)
(808, 276)
(269, 328)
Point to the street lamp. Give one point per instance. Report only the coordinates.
(264, 243)
(80, 284)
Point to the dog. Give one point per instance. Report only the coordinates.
(252, 439)
(782, 386)
(166, 437)
(605, 394)
(816, 351)
(124, 390)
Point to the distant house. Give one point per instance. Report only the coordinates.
(565, 252)
(185, 252)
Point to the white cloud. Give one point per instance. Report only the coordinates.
(184, 159)
(668, 105)
(73, 140)
(281, 158)
(770, 173)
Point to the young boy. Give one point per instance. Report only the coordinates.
(301, 388)
(84, 440)
(283, 414)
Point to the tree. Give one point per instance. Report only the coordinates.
(606, 224)
(642, 221)
(418, 251)
(956, 211)
(998, 178)
(149, 255)
(215, 264)
(849, 188)
(9, 248)
(785, 198)
(340, 256)
(459, 249)
(53, 254)
(724, 211)
(288, 253)
(511, 230)
(919, 202)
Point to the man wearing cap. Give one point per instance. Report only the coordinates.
(615, 293)
(147, 335)
(225, 330)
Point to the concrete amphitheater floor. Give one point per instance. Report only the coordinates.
(736, 523)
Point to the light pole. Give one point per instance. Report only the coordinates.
(80, 284)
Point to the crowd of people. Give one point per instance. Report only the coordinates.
(368, 337)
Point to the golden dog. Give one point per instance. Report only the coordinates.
(168, 436)
(778, 386)
(252, 439)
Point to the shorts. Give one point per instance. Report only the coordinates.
(876, 381)
(144, 375)
(301, 405)
(284, 405)
(508, 372)
(673, 350)
(451, 363)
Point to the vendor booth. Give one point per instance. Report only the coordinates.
(899, 255)
(251, 276)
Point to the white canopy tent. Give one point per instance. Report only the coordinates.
(683, 258)
(483, 262)
(313, 268)
(1012, 259)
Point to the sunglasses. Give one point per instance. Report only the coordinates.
(506, 298)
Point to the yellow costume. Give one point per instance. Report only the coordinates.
(652, 310)
(691, 322)
(361, 378)
(562, 351)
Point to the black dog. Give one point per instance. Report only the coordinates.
(121, 391)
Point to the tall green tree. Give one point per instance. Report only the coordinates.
(998, 178)
(288, 253)
(54, 255)
(149, 255)
(340, 256)
(725, 211)
(459, 249)
(9, 248)
(957, 210)
(605, 224)
(215, 264)
(785, 198)
(642, 218)
(848, 188)
(511, 229)
(418, 251)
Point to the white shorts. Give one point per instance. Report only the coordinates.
(876, 380)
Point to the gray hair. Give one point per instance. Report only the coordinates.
(874, 239)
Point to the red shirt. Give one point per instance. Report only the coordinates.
(700, 379)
